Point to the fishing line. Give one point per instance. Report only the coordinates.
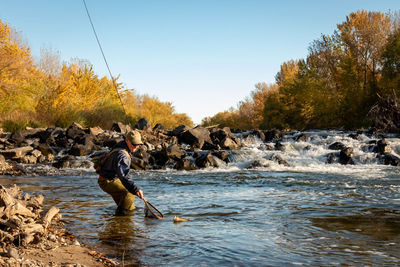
(104, 57)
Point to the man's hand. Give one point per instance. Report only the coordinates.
(140, 194)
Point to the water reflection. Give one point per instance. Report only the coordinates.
(381, 224)
(120, 235)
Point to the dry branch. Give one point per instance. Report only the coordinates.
(49, 216)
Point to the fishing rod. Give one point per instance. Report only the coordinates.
(104, 57)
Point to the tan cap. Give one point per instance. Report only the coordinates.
(134, 137)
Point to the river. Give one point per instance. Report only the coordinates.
(307, 213)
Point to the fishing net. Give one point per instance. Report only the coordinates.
(151, 211)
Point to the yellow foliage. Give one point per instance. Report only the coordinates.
(52, 96)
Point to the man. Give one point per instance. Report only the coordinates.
(114, 173)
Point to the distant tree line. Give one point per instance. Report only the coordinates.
(344, 75)
(52, 93)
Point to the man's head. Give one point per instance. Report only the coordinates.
(134, 139)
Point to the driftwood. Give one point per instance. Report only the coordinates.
(49, 216)
(20, 220)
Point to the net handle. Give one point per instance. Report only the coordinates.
(148, 205)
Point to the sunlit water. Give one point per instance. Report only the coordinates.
(310, 213)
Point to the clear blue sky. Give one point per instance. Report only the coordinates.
(203, 56)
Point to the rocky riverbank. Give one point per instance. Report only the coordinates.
(32, 236)
(182, 148)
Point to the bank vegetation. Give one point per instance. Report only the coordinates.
(49, 92)
(342, 83)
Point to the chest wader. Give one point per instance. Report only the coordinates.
(122, 197)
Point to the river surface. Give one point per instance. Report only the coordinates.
(308, 213)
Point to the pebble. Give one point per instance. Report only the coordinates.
(13, 253)
(76, 243)
(62, 240)
(52, 238)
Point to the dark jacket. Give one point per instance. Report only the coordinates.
(118, 166)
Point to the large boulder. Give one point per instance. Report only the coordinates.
(79, 150)
(50, 135)
(382, 147)
(208, 160)
(222, 155)
(260, 134)
(158, 127)
(46, 149)
(139, 164)
(179, 130)
(75, 130)
(301, 137)
(390, 159)
(279, 159)
(217, 135)
(185, 164)
(142, 124)
(272, 135)
(195, 137)
(119, 127)
(228, 143)
(336, 146)
(345, 156)
(174, 151)
(16, 152)
(95, 131)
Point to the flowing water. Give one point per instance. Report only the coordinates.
(307, 213)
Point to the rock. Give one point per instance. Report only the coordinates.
(345, 156)
(174, 151)
(259, 134)
(228, 143)
(16, 152)
(336, 146)
(65, 162)
(36, 153)
(75, 130)
(300, 138)
(354, 136)
(17, 138)
(195, 137)
(185, 164)
(222, 155)
(142, 124)
(112, 142)
(382, 147)
(95, 131)
(119, 127)
(13, 253)
(179, 130)
(78, 150)
(330, 158)
(28, 159)
(279, 146)
(279, 159)
(208, 160)
(259, 163)
(2, 161)
(272, 134)
(217, 135)
(86, 140)
(46, 150)
(158, 127)
(371, 131)
(390, 159)
(139, 164)
(52, 237)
